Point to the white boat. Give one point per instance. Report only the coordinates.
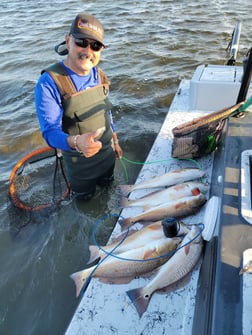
(216, 299)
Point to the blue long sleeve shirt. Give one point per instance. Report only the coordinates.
(49, 107)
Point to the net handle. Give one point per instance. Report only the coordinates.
(204, 120)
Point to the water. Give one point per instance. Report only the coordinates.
(152, 45)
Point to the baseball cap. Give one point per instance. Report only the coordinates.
(83, 26)
(87, 26)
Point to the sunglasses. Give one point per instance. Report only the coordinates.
(84, 43)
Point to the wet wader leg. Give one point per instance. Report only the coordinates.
(89, 186)
(107, 178)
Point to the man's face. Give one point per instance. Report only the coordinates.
(82, 59)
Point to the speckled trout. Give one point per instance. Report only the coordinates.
(168, 179)
(176, 268)
(179, 208)
(168, 194)
(133, 239)
(129, 264)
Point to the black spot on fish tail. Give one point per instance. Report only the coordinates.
(139, 300)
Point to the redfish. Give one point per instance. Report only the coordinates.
(168, 194)
(176, 268)
(168, 179)
(130, 263)
(179, 208)
(134, 239)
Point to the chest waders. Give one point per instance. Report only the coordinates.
(85, 111)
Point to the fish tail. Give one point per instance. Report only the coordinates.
(124, 202)
(125, 223)
(79, 281)
(94, 253)
(139, 299)
(125, 189)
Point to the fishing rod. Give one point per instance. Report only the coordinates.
(233, 45)
(246, 79)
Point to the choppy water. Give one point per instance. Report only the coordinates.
(152, 46)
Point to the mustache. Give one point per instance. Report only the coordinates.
(85, 56)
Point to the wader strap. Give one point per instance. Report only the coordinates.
(62, 80)
(65, 84)
(103, 79)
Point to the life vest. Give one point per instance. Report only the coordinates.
(84, 111)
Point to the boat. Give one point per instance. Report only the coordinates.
(216, 298)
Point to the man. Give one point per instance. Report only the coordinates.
(74, 111)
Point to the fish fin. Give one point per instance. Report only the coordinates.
(187, 249)
(125, 223)
(125, 189)
(150, 274)
(124, 202)
(139, 300)
(94, 253)
(122, 236)
(79, 281)
(148, 253)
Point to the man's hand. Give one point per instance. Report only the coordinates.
(87, 144)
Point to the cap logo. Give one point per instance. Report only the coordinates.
(89, 26)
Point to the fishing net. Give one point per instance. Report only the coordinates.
(200, 136)
(38, 180)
